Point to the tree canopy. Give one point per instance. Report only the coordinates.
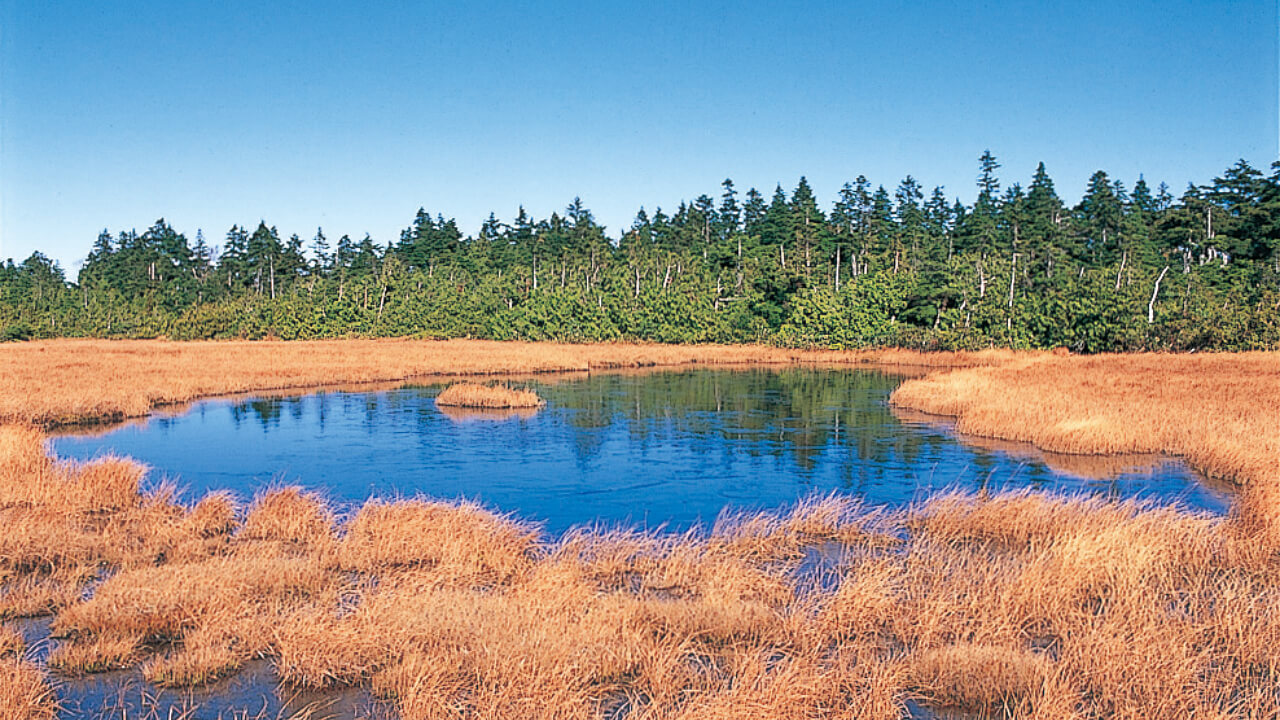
(1123, 269)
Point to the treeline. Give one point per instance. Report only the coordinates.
(1124, 269)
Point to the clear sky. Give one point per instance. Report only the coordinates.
(351, 115)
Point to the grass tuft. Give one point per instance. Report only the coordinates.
(497, 397)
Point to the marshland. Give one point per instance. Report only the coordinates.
(457, 361)
(847, 553)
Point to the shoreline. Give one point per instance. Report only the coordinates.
(1021, 604)
(133, 377)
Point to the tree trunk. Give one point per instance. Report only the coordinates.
(837, 269)
(1151, 306)
(1013, 271)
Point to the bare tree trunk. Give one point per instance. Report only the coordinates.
(1124, 258)
(1013, 270)
(1151, 306)
(837, 269)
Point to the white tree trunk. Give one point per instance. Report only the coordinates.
(1151, 306)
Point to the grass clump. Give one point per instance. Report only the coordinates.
(25, 693)
(491, 397)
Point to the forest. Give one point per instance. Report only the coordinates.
(1125, 269)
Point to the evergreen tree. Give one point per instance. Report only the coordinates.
(321, 256)
(808, 222)
(1099, 214)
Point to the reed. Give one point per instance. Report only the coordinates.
(73, 381)
(495, 397)
(1216, 411)
(11, 643)
(25, 694)
(1017, 605)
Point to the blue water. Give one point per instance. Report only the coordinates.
(660, 449)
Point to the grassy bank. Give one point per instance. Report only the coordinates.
(68, 381)
(1016, 605)
(1219, 412)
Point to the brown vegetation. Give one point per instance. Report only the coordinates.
(1219, 412)
(24, 692)
(1018, 605)
(492, 397)
(67, 381)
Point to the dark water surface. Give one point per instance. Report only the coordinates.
(652, 449)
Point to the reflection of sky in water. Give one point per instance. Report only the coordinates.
(667, 447)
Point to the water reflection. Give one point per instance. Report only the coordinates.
(655, 448)
(251, 693)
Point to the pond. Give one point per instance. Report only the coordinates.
(656, 449)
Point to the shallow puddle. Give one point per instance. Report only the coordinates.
(251, 694)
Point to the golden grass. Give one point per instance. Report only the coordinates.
(11, 643)
(65, 381)
(475, 395)
(1017, 605)
(1219, 412)
(24, 692)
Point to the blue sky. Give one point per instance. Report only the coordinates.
(113, 114)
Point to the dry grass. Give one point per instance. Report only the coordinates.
(65, 381)
(1219, 412)
(1018, 605)
(475, 395)
(24, 692)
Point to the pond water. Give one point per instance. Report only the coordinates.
(657, 449)
(251, 694)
